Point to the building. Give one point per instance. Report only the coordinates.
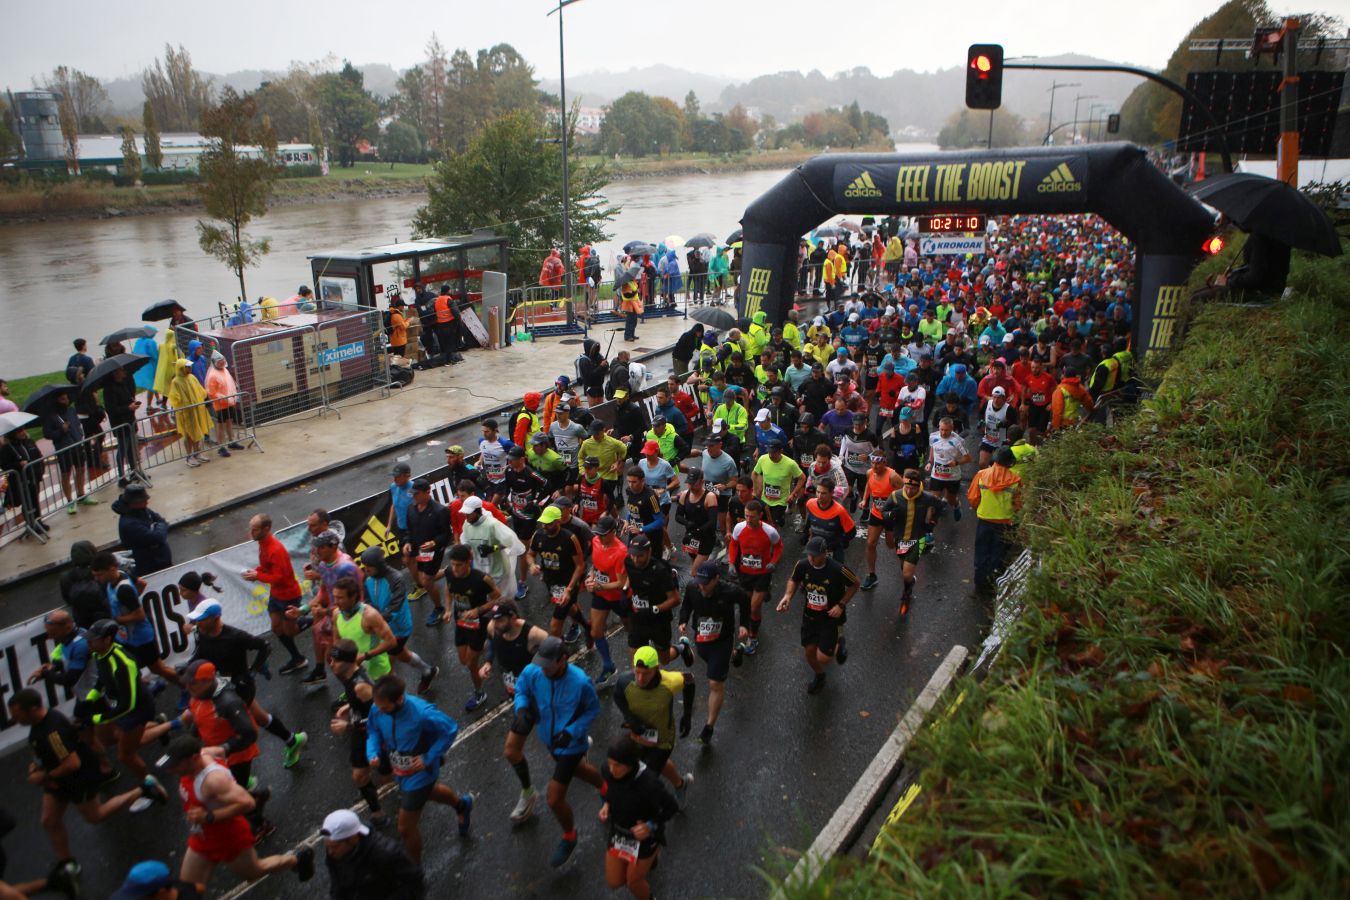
(37, 116)
(180, 151)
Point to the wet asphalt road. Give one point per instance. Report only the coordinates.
(780, 764)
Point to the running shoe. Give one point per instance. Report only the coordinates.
(738, 655)
(264, 831)
(573, 635)
(425, 683)
(604, 679)
(316, 676)
(434, 618)
(221, 451)
(465, 810)
(291, 756)
(87, 501)
(816, 685)
(64, 879)
(476, 699)
(299, 664)
(870, 582)
(562, 853)
(956, 513)
(687, 651)
(705, 736)
(154, 791)
(70, 508)
(525, 806)
(520, 591)
(304, 863)
(417, 594)
(109, 777)
(751, 646)
(192, 462)
(842, 653)
(682, 792)
(235, 445)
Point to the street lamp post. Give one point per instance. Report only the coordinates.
(562, 134)
(1050, 122)
(1092, 117)
(1075, 112)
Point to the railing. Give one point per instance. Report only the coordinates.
(158, 441)
(15, 512)
(45, 494)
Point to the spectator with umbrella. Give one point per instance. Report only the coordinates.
(91, 420)
(193, 422)
(51, 403)
(20, 454)
(114, 376)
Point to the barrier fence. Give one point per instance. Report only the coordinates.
(158, 440)
(14, 513)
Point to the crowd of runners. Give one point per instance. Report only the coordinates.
(654, 530)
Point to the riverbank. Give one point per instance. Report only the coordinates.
(92, 200)
(1168, 716)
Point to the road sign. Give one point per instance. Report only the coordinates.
(951, 245)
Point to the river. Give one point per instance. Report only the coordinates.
(85, 278)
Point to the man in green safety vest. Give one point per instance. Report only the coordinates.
(995, 494)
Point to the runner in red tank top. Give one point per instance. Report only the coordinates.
(882, 481)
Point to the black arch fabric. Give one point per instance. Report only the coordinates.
(1116, 181)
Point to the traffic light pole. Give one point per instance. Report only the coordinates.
(1166, 82)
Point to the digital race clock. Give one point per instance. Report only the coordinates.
(948, 224)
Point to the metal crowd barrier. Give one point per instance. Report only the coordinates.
(14, 511)
(546, 312)
(158, 441)
(45, 495)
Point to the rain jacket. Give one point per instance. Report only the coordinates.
(416, 728)
(164, 365)
(1068, 402)
(145, 375)
(674, 283)
(718, 265)
(564, 705)
(995, 493)
(186, 396)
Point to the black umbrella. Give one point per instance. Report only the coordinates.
(736, 236)
(638, 248)
(41, 400)
(128, 334)
(830, 231)
(157, 312)
(714, 317)
(702, 239)
(127, 361)
(1270, 207)
(623, 276)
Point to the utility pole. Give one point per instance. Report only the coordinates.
(1075, 112)
(1286, 156)
(1050, 121)
(568, 275)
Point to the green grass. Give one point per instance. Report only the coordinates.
(1170, 715)
(375, 170)
(21, 388)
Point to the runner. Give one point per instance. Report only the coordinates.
(119, 704)
(829, 586)
(494, 546)
(655, 594)
(227, 648)
(645, 697)
(136, 634)
(713, 606)
(591, 493)
(387, 591)
(492, 460)
(512, 643)
(946, 455)
(556, 555)
(351, 719)
(998, 415)
(909, 444)
(525, 491)
(363, 865)
(277, 572)
(636, 808)
(215, 806)
(415, 736)
(559, 698)
(400, 498)
(331, 564)
(471, 595)
(362, 624)
(753, 551)
(882, 481)
(778, 481)
(856, 447)
(429, 533)
(720, 472)
(661, 478)
(911, 513)
(67, 770)
(608, 584)
(567, 437)
(828, 519)
(698, 513)
(642, 507)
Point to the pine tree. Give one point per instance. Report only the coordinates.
(154, 156)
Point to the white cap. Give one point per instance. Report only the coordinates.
(1008, 338)
(999, 392)
(471, 505)
(342, 824)
(890, 310)
(762, 415)
(853, 317)
(818, 321)
(985, 340)
(719, 426)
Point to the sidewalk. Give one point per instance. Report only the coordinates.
(308, 445)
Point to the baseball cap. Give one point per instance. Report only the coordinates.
(860, 418)
(402, 469)
(1008, 338)
(658, 420)
(775, 444)
(906, 413)
(104, 628)
(550, 651)
(516, 453)
(455, 448)
(762, 416)
(719, 425)
(591, 461)
(421, 484)
(714, 438)
(647, 657)
(205, 611)
(342, 824)
(506, 609)
(597, 426)
(817, 367)
(184, 746)
(563, 407)
(144, 879)
(651, 447)
(201, 670)
(539, 438)
(639, 542)
(329, 538)
(550, 514)
(471, 504)
(999, 392)
(605, 525)
(817, 546)
(707, 571)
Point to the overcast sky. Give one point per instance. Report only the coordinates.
(736, 40)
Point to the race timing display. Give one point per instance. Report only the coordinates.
(950, 224)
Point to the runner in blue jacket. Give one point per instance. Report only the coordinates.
(413, 736)
(559, 698)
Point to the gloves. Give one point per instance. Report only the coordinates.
(486, 550)
(561, 741)
(686, 723)
(770, 567)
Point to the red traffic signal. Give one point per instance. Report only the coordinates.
(984, 76)
(1213, 246)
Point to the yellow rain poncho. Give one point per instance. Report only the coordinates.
(187, 397)
(168, 355)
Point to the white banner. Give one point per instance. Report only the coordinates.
(951, 245)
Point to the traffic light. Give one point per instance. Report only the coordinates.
(1213, 246)
(984, 76)
(1113, 123)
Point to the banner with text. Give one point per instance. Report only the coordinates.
(951, 245)
(1038, 183)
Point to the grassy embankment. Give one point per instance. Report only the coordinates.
(1170, 715)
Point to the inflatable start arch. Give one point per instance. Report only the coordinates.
(1116, 181)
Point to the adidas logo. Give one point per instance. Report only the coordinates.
(377, 535)
(1059, 181)
(862, 186)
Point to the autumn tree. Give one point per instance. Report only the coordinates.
(70, 134)
(87, 96)
(131, 157)
(236, 182)
(177, 92)
(154, 154)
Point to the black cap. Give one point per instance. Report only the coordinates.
(1005, 457)
(860, 418)
(639, 541)
(707, 571)
(807, 419)
(817, 546)
(605, 525)
(516, 453)
(591, 461)
(817, 367)
(421, 484)
(402, 469)
(775, 444)
(104, 628)
(694, 473)
(506, 609)
(714, 438)
(550, 651)
(658, 420)
(624, 751)
(778, 391)
(597, 426)
(182, 747)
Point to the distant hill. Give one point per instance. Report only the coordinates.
(923, 100)
(601, 87)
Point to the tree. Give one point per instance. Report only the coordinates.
(287, 102)
(154, 155)
(401, 143)
(637, 124)
(969, 128)
(349, 112)
(411, 102)
(743, 128)
(236, 182)
(88, 99)
(70, 134)
(178, 92)
(435, 90)
(131, 157)
(509, 180)
(10, 145)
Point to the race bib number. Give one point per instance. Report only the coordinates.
(691, 546)
(872, 371)
(856, 458)
(650, 736)
(708, 630)
(1038, 399)
(624, 848)
(425, 557)
(805, 460)
(519, 502)
(752, 562)
(558, 593)
(602, 579)
(817, 601)
(773, 492)
(589, 503)
(495, 472)
(943, 471)
(904, 547)
(885, 413)
(403, 763)
(640, 605)
(569, 458)
(509, 680)
(472, 624)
